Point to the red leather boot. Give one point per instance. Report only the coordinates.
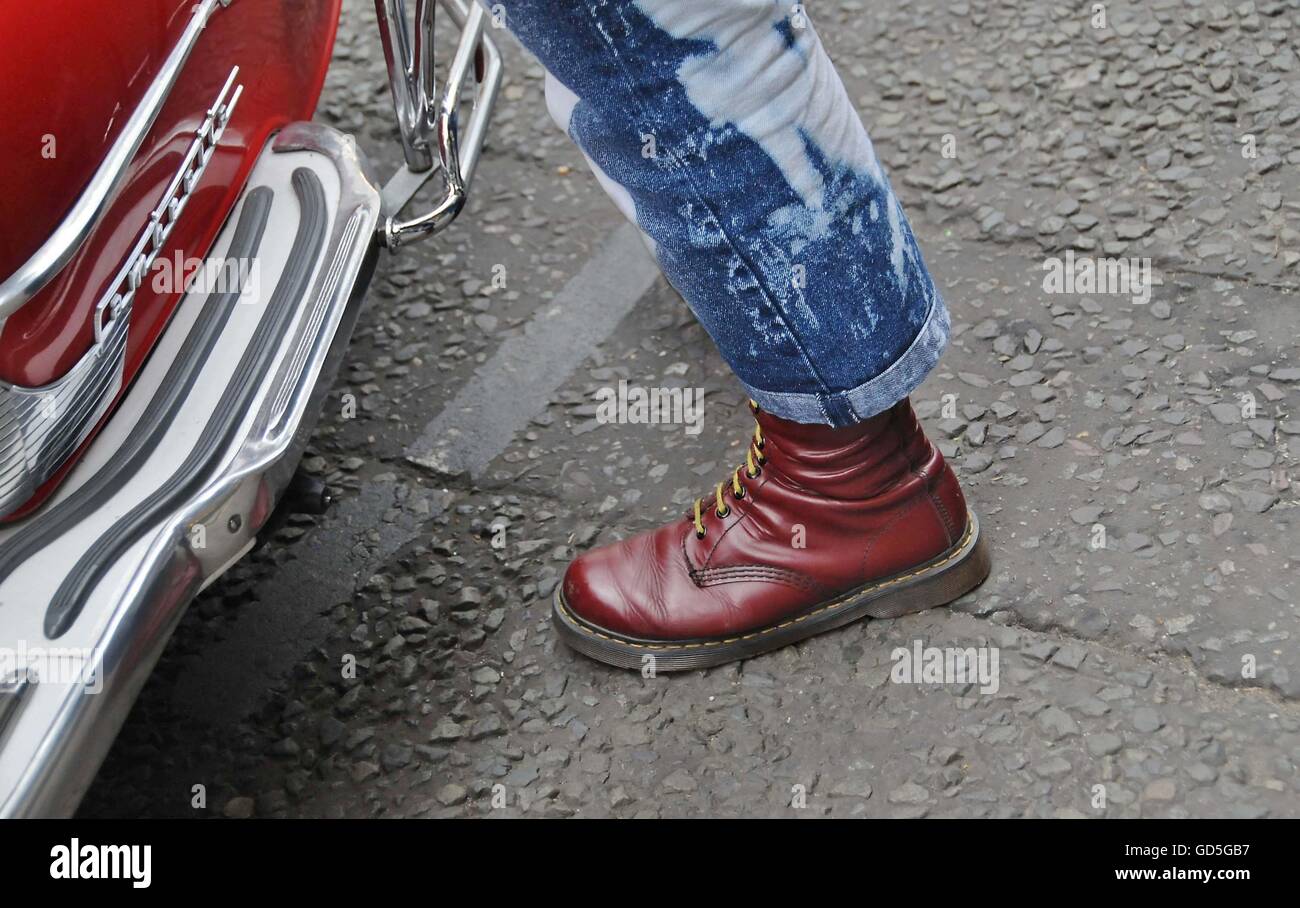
(819, 527)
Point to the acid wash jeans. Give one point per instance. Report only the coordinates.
(721, 128)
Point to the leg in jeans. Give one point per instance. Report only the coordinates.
(722, 129)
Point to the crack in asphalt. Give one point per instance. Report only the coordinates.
(226, 681)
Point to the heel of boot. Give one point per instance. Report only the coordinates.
(948, 578)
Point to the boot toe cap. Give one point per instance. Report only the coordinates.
(608, 588)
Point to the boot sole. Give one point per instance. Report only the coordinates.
(939, 581)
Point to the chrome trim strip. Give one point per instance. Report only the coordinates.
(117, 298)
(41, 427)
(86, 213)
(312, 325)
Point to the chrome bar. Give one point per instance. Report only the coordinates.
(476, 129)
(91, 206)
(410, 75)
(457, 154)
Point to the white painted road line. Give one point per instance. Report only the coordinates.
(521, 377)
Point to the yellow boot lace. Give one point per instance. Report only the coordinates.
(753, 466)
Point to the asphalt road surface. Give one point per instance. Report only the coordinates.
(1131, 461)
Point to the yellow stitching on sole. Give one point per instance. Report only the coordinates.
(847, 600)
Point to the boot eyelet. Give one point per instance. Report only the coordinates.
(757, 473)
(741, 494)
(725, 512)
(700, 535)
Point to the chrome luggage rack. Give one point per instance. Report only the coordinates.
(432, 141)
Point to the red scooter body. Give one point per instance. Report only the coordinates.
(71, 74)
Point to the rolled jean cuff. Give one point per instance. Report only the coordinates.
(846, 408)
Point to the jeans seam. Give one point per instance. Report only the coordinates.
(680, 169)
